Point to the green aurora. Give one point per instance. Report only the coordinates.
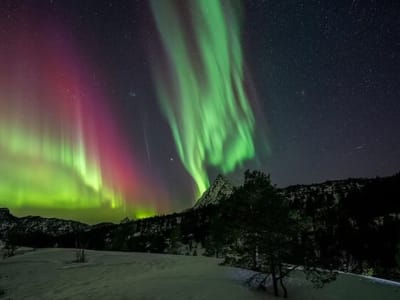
(62, 153)
(203, 95)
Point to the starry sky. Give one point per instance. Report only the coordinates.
(130, 108)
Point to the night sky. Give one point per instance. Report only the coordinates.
(130, 108)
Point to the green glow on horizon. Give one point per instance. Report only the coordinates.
(203, 95)
(51, 177)
(48, 174)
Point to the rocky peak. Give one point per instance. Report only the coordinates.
(7, 221)
(5, 214)
(4, 211)
(219, 189)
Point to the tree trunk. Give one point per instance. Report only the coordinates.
(254, 258)
(274, 279)
(281, 281)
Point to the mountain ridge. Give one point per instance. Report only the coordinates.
(220, 189)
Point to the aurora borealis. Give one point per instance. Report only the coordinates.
(113, 109)
(203, 94)
(59, 144)
(63, 148)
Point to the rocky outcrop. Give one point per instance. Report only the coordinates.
(220, 189)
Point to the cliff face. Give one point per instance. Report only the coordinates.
(220, 189)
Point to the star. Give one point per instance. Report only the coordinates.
(359, 147)
(132, 94)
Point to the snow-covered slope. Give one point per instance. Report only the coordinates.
(49, 274)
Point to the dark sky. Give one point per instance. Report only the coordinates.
(326, 75)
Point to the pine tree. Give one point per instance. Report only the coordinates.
(268, 234)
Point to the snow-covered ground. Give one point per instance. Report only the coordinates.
(49, 274)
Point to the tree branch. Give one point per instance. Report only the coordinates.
(281, 276)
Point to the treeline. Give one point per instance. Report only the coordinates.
(362, 229)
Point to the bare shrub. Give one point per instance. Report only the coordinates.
(80, 256)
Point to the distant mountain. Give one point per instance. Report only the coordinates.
(221, 188)
(32, 224)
